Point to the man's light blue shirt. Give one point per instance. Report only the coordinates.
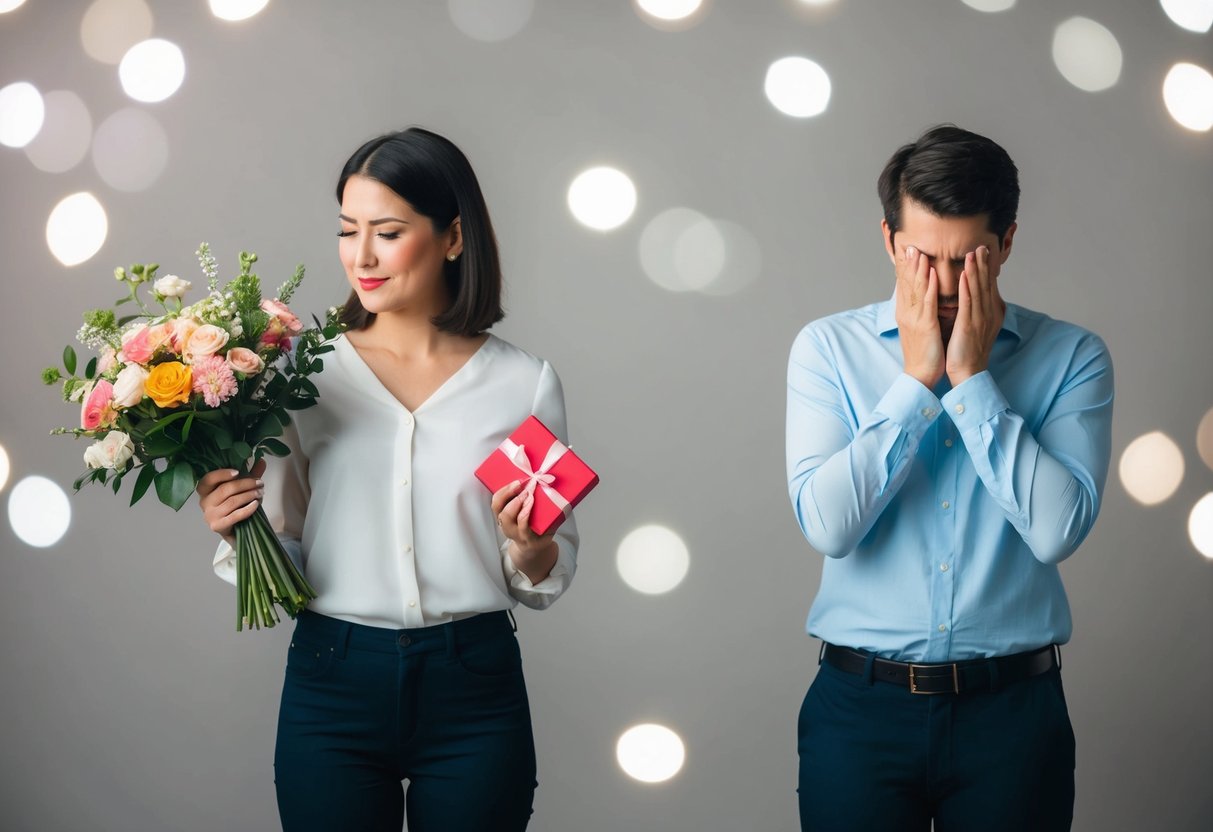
(943, 514)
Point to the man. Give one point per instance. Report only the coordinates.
(945, 451)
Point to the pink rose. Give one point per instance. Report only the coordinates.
(98, 409)
(108, 360)
(160, 334)
(137, 345)
(245, 361)
(206, 340)
(128, 387)
(183, 328)
(277, 309)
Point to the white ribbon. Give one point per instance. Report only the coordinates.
(540, 478)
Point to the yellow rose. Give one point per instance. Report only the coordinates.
(169, 384)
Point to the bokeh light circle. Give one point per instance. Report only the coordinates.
(111, 27)
(10, 5)
(1204, 438)
(602, 198)
(233, 10)
(1087, 54)
(1193, 15)
(130, 150)
(652, 559)
(798, 87)
(742, 263)
(152, 70)
(4, 467)
(76, 229)
(66, 134)
(490, 20)
(1188, 93)
(650, 753)
(39, 511)
(22, 112)
(1200, 525)
(1151, 468)
(990, 5)
(669, 10)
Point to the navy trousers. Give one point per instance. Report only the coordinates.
(365, 708)
(874, 757)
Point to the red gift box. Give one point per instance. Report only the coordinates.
(556, 475)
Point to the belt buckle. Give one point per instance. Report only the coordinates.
(914, 682)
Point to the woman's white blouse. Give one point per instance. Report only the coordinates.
(381, 506)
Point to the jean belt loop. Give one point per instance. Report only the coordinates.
(993, 668)
(513, 621)
(343, 639)
(869, 667)
(452, 639)
(1057, 656)
(821, 654)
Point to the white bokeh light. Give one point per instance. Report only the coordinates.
(77, 228)
(130, 150)
(9, 5)
(650, 753)
(669, 10)
(798, 87)
(602, 198)
(818, 2)
(1200, 525)
(990, 5)
(111, 27)
(1188, 94)
(234, 10)
(1087, 54)
(658, 243)
(681, 250)
(22, 112)
(1151, 468)
(742, 262)
(1193, 15)
(4, 468)
(1204, 438)
(652, 559)
(699, 254)
(490, 20)
(152, 70)
(66, 134)
(38, 511)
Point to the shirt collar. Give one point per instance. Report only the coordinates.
(886, 319)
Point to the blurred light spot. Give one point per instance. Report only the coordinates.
(681, 250)
(1204, 438)
(798, 87)
(76, 229)
(4, 467)
(650, 753)
(668, 10)
(699, 254)
(130, 150)
(818, 2)
(111, 27)
(490, 20)
(236, 9)
(22, 112)
(602, 198)
(658, 243)
(742, 262)
(1087, 54)
(652, 560)
(1200, 525)
(1193, 15)
(38, 511)
(65, 135)
(990, 5)
(9, 5)
(1188, 94)
(1151, 468)
(152, 70)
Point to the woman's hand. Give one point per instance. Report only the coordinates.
(226, 499)
(533, 555)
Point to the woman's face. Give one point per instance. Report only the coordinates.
(392, 255)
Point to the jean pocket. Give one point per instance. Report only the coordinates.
(308, 661)
(498, 657)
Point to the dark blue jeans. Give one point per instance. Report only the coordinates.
(874, 757)
(364, 708)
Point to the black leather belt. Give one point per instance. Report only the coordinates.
(949, 677)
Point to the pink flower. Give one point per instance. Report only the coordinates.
(183, 328)
(245, 361)
(206, 340)
(98, 410)
(277, 309)
(213, 378)
(137, 345)
(108, 360)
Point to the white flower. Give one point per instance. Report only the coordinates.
(81, 392)
(171, 286)
(128, 387)
(114, 451)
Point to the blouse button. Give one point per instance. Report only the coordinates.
(960, 408)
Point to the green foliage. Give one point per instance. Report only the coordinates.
(51, 375)
(100, 319)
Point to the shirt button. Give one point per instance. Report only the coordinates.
(946, 504)
(404, 482)
(928, 412)
(943, 628)
(943, 567)
(947, 443)
(408, 420)
(960, 408)
(407, 548)
(412, 603)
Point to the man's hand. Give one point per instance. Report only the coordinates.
(917, 310)
(979, 316)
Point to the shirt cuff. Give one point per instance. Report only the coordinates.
(910, 404)
(975, 401)
(553, 585)
(225, 562)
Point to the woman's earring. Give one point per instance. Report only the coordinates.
(452, 256)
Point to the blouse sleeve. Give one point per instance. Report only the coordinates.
(285, 503)
(548, 407)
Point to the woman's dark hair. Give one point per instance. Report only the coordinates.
(433, 176)
(952, 173)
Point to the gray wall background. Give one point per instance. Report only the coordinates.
(128, 701)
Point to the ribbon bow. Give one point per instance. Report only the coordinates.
(540, 478)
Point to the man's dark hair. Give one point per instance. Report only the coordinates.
(952, 173)
(433, 176)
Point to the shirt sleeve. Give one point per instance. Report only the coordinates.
(285, 504)
(841, 476)
(548, 407)
(1049, 485)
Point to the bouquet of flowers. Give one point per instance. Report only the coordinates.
(178, 391)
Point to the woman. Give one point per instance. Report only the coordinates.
(406, 665)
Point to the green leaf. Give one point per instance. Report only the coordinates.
(275, 447)
(69, 360)
(126, 319)
(91, 369)
(185, 431)
(117, 483)
(168, 420)
(307, 385)
(146, 475)
(160, 445)
(175, 485)
(242, 450)
(121, 301)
